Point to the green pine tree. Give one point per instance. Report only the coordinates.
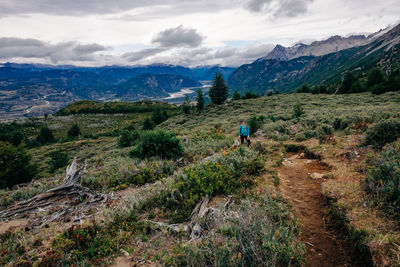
(186, 105)
(45, 136)
(200, 99)
(219, 90)
(375, 76)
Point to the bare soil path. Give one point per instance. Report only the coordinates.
(324, 246)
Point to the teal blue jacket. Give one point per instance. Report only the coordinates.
(244, 130)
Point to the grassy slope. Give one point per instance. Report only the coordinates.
(106, 160)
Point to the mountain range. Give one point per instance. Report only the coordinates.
(286, 69)
(36, 89)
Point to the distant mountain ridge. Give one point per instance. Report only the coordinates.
(287, 75)
(154, 85)
(319, 48)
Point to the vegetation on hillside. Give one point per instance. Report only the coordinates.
(189, 157)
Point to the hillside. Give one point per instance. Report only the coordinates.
(36, 89)
(288, 75)
(153, 86)
(274, 186)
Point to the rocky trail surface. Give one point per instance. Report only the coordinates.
(300, 183)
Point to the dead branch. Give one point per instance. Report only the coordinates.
(70, 201)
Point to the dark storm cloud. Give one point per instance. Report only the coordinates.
(178, 37)
(11, 47)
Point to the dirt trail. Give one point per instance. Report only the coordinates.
(324, 247)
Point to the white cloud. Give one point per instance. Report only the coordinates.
(96, 32)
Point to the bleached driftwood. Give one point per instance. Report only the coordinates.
(68, 201)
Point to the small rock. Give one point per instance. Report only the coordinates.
(196, 231)
(316, 175)
(308, 161)
(124, 252)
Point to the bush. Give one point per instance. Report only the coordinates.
(258, 236)
(304, 89)
(383, 180)
(340, 124)
(159, 116)
(383, 132)
(16, 166)
(298, 110)
(45, 136)
(11, 132)
(236, 95)
(74, 131)
(128, 138)
(58, 159)
(250, 95)
(158, 143)
(224, 175)
(255, 123)
(148, 124)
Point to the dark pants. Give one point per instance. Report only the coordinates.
(243, 137)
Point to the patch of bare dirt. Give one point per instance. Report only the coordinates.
(300, 183)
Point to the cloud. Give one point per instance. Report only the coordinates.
(226, 56)
(279, 8)
(90, 7)
(178, 37)
(142, 54)
(11, 47)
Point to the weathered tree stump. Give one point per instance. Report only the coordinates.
(68, 202)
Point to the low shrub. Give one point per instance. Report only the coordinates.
(263, 234)
(232, 170)
(383, 180)
(158, 144)
(128, 138)
(58, 159)
(340, 123)
(256, 123)
(383, 132)
(298, 110)
(293, 148)
(74, 131)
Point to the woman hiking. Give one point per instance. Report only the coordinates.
(244, 133)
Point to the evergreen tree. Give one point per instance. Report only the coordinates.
(375, 76)
(236, 95)
(219, 90)
(16, 166)
(45, 136)
(74, 131)
(304, 89)
(200, 99)
(348, 81)
(58, 159)
(158, 116)
(186, 105)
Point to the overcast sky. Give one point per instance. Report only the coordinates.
(185, 32)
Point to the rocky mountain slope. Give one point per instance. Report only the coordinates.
(288, 74)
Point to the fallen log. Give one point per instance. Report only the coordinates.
(68, 202)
